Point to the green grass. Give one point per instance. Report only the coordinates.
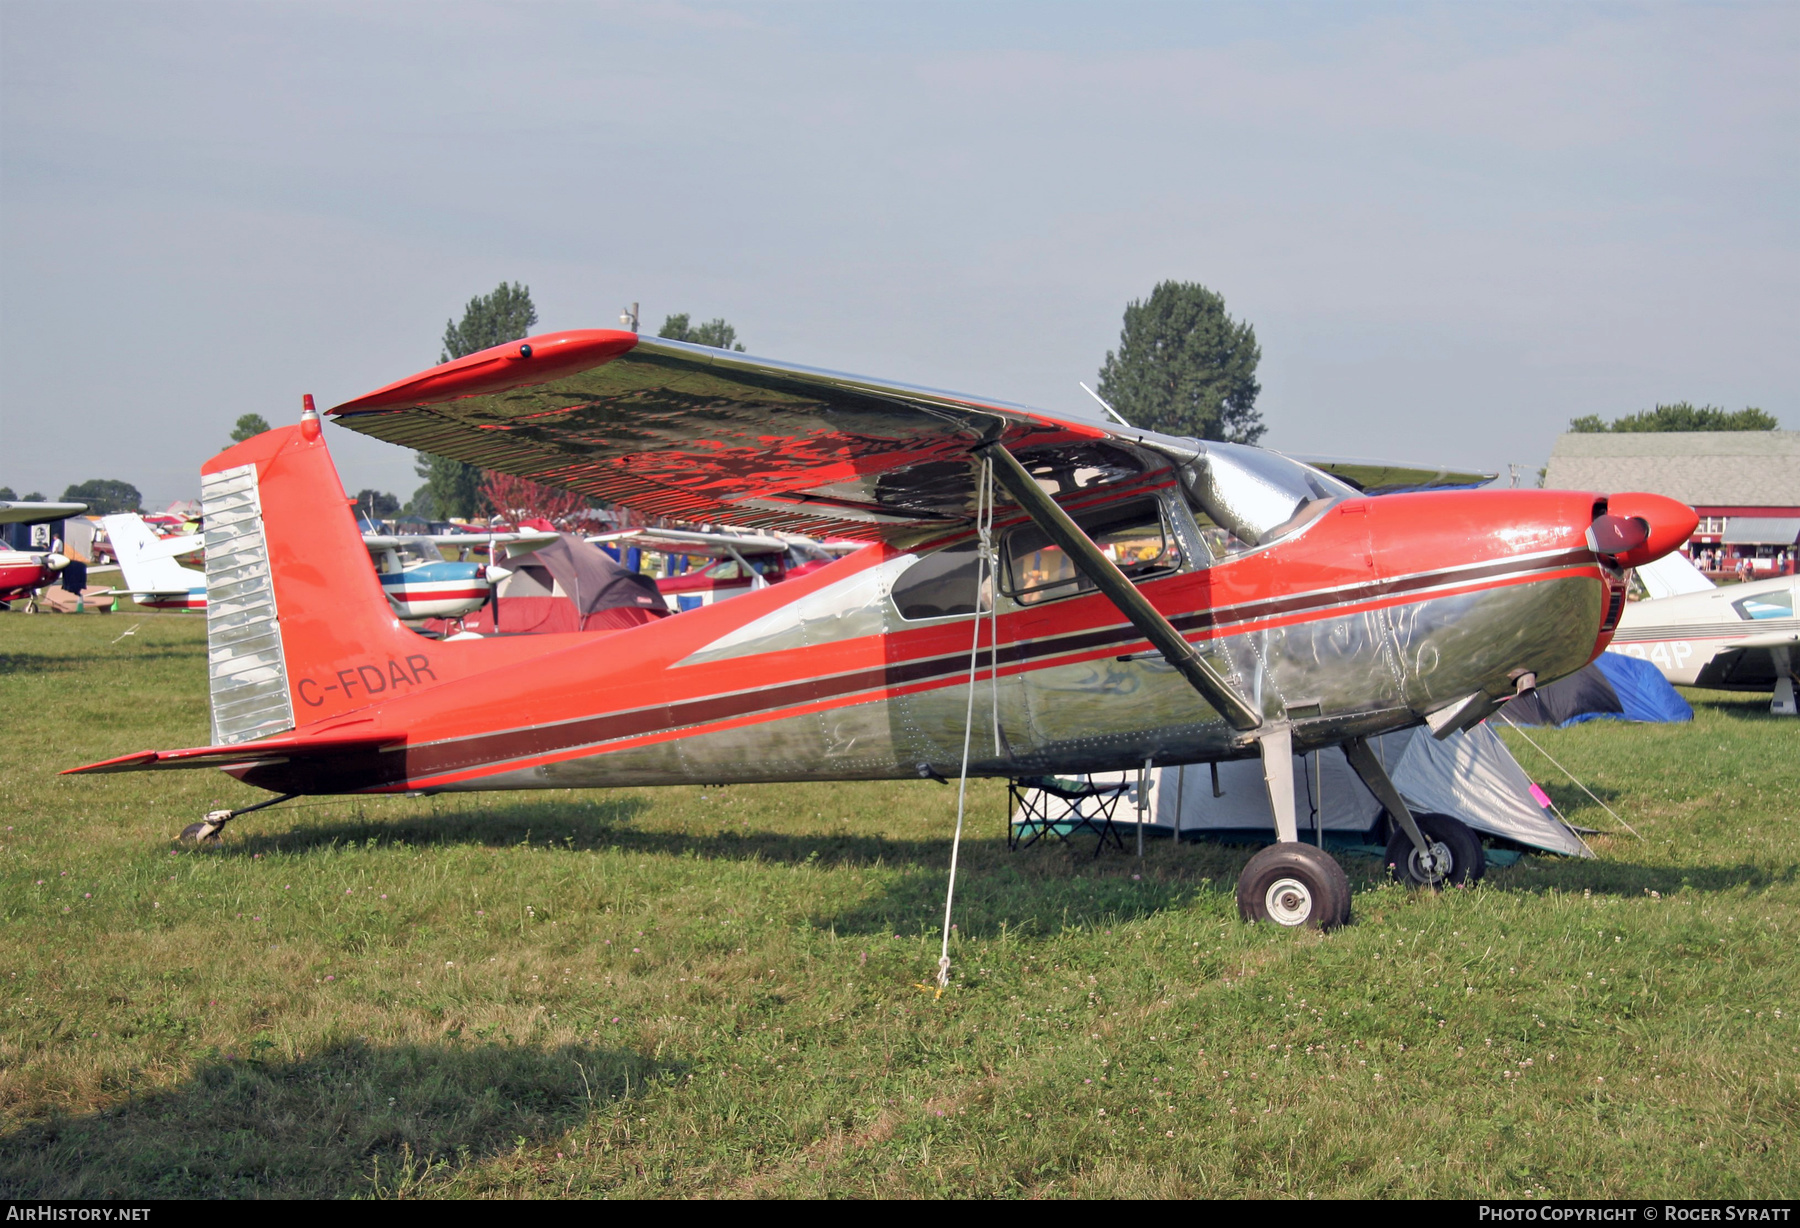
(711, 992)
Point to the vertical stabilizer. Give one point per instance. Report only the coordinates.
(1671, 576)
(298, 631)
(144, 558)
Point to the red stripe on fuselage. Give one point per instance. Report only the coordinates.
(464, 759)
(481, 724)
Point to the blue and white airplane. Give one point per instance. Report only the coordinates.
(416, 578)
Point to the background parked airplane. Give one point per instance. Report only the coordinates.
(1742, 637)
(24, 571)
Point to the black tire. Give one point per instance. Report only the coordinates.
(1468, 860)
(191, 835)
(1294, 885)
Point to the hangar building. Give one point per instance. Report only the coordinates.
(1744, 484)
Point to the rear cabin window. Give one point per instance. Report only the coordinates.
(940, 585)
(1766, 605)
(1133, 535)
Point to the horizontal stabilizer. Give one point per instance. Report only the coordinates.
(273, 750)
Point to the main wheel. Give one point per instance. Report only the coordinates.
(1293, 885)
(1457, 857)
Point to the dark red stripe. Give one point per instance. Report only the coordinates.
(368, 769)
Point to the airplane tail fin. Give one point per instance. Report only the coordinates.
(147, 566)
(297, 628)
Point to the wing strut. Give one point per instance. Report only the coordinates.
(1369, 768)
(1112, 582)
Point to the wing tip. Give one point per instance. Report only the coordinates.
(514, 364)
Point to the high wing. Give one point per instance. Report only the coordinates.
(388, 541)
(695, 433)
(694, 542)
(13, 511)
(1374, 477)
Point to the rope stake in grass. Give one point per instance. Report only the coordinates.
(984, 573)
(1566, 772)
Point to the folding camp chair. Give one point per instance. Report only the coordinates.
(1086, 806)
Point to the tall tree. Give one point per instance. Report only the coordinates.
(375, 504)
(490, 320)
(1184, 367)
(716, 333)
(104, 496)
(453, 488)
(248, 427)
(1679, 416)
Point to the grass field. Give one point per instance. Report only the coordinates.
(711, 992)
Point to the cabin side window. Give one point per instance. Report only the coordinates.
(942, 584)
(1134, 535)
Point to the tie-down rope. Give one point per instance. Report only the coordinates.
(985, 579)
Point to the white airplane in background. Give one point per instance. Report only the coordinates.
(1743, 637)
(152, 576)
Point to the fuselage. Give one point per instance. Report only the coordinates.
(1371, 614)
(1722, 638)
(436, 590)
(193, 599)
(23, 572)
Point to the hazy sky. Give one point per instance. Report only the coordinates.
(1454, 227)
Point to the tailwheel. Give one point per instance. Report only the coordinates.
(206, 832)
(1293, 885)
(1455, 857)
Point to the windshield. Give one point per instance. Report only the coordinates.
(1258, 495)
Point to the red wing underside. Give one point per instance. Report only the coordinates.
(699, 434)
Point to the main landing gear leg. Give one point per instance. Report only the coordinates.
(1290, 883)
(1433, 850)
(207, 830)
(1781, 703)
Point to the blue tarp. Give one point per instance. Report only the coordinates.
(1644, 694)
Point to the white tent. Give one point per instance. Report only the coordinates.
(1470, 776)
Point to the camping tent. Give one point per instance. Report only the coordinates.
(1611, 687)
(1470, 776)
(568, 585)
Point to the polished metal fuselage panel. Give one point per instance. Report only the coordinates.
(1329, 676)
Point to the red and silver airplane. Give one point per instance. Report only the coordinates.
(1151, 600)
(24, 572)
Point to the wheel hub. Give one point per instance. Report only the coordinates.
(1288, 901)
(1434, 863)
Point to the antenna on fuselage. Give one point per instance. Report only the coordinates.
(1103, 405)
